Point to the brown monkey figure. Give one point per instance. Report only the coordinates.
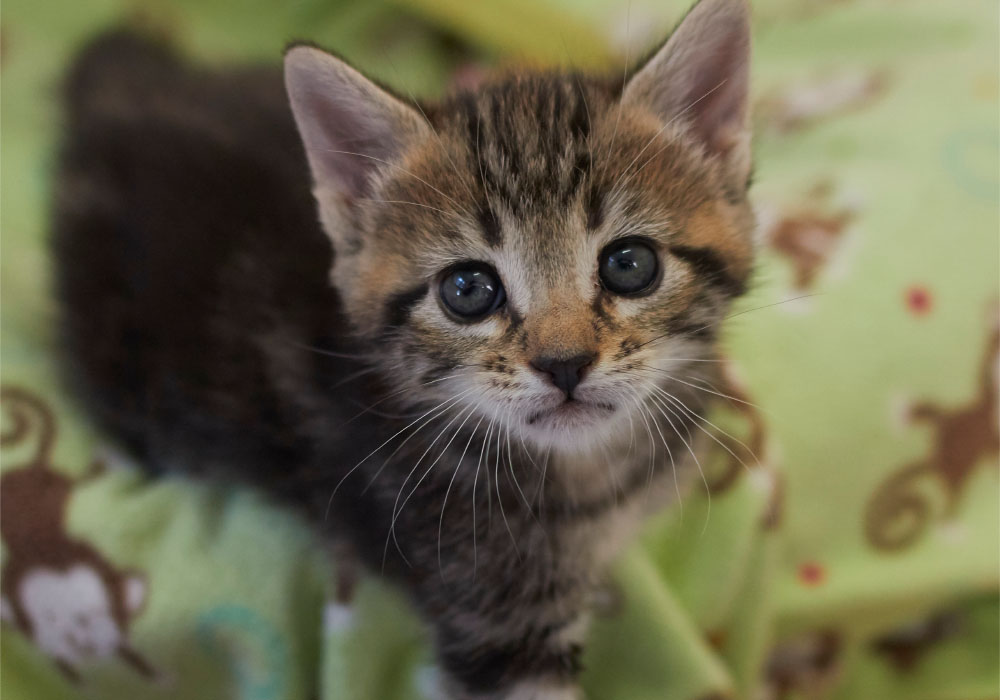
(898, 512)
(809, 233)
(808, 240)
(58, 591)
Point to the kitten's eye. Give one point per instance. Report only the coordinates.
(472, 291)
(628, 267)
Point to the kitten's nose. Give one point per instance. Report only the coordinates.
(565, 373)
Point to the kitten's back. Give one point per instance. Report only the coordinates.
(190, 269)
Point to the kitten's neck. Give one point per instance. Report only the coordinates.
(612, 470)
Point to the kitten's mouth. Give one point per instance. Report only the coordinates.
(571, 411)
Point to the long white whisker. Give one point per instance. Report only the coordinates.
(708, 491)
(675, 378)
(330, 353)
(444, 503)
(699, 419)
(657, 134)
(670, 455)
(631, 434)
(404, 170)
(389, 396)
(394, 436)
(540, 491)
(402, 201)
(416, 103)
(409, 437)
(475, 481)
(671, 334)
(496, 478)
(396, 511)
(510, 465)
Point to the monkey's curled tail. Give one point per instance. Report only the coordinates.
(26, 418)
(898, 512)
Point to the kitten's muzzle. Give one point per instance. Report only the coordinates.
(565, 373)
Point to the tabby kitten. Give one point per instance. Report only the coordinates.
(500, 365)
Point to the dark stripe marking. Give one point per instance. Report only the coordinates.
(707, 263)
(397, 309)
(490, 225)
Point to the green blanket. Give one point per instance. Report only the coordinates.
(844, 542)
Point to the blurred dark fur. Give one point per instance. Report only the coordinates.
(183, 198)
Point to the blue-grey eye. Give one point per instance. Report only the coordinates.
(628, 267)
(472, 291)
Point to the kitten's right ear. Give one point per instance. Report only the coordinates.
(350, 126)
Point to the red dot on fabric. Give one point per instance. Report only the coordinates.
(918, 300)
(811, 573)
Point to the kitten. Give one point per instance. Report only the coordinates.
(497, 366)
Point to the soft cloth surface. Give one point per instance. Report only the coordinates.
(850, 545)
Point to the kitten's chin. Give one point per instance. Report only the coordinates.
(572, 426)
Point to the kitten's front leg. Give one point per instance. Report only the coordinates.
(526, 645)
(512, 671)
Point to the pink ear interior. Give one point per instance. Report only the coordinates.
(350, 127)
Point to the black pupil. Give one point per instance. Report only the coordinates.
(628, 268)
(470, 292)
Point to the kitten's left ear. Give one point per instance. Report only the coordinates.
(350, 126)
(701, 76)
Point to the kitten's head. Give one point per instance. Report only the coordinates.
(539, 251)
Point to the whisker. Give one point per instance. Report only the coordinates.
(354, 375)
(631, 434)
(527, 452)
(691, 359)
(675, 378)
(670, 334)
(404, 170)
(539, 496)
(401, 445)
(397, 511)
(389, 396)
(699, 419)
(513, 476)
(657, 134)
(451, 483)
(402, 201)
(670, 455)
(708, 492)
(475, 481)
(416, 103)
(394, 436)
(496, 478)
(330, 353)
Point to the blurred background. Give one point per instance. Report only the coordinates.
(856, 554)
